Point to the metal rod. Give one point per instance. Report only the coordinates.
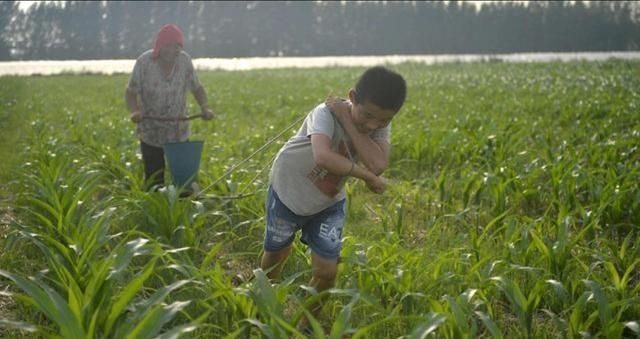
(190, 117)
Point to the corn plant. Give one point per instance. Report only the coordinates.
(432, 322)
(495, 166)
(523, 306)
(556, 252)
(56, 192)
(214, 295)
(102, 309)
(563, 295)
(462, 316)
(171, 219)
(269, 301)
(609, 312)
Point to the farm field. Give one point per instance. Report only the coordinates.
(513, 210)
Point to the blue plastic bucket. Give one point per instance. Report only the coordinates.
(184, 160)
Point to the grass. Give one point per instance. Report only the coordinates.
(513, 210)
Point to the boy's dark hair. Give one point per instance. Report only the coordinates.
(382, 87)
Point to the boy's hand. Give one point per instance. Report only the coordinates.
(377, 185)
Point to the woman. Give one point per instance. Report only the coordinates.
(156, 99)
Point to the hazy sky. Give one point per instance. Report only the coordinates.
(26, 4)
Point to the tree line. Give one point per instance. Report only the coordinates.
(123, 30)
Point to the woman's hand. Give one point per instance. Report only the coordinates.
(207, 114)
(136, 116)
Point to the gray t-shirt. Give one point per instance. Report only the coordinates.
(164, 97)
(302, 186)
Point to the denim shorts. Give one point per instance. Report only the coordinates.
(322, 232)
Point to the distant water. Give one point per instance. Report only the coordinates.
(242, 64)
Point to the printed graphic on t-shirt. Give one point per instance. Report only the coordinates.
(327, 183)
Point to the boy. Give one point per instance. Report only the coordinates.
(309, 173)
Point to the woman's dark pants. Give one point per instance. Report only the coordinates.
(153, 159)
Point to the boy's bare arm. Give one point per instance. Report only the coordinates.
(374, 154)
(337, 164)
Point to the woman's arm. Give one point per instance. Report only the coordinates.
(201, 97)
(132, 105)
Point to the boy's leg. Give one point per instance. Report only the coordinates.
(324, 236)
(273, 262)
(324, 272)
(279, 234)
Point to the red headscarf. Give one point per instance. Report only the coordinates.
(167, 35)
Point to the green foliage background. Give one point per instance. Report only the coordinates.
(513, 207)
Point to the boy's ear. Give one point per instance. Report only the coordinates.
(352, 96)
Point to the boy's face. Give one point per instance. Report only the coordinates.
(367, 116)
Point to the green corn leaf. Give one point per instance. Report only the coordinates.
(434, 320)
(613, 273)
(576, 319)
(158, 296)
(561, 292)
(341, 323)
(467, 190)
(264, 328)
(176, 332)
(264, 295)
(23, 326)
(127, 294)
(211, 256)
(91, 332)
(42, 219)
(633, 326)
(627, 274)
(459, 316)
(512, 293)
(152, 321)
(51, 304)
(318, 332)
(489, 324)
(54, 213)
(603, 308)
(559, 322)
(124, 256)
